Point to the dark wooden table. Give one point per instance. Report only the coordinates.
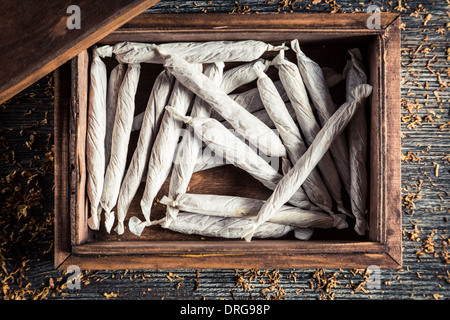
(26, 198)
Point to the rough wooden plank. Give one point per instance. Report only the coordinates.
(77, 150)
(392, 174)
(62, 167)
(135, 262)
(258, 22)
(314, 28)
(259, 247)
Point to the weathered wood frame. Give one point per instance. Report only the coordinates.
(383, 247)
(22, 64)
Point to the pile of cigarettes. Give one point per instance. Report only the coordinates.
(293, 119)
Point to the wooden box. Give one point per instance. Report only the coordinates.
(325, 38)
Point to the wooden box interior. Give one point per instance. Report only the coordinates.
(158, 247)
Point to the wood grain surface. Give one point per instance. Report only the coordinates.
(425, 177)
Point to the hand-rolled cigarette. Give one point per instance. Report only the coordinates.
(163, 152)
(137, 121)
(211, 226)
(332, 77)
(232, 79)
(293, 85)
(260, 113)
(320, 95)
(189, 147)
(251, 100)
(256, 132)
(225, 144)
(242, 207)
(278, 113)
(264, 117)
(290, 135)
(188, 152)
(114, 83)
(193, 52)
(292, 82)
(95, 142)
(357, 137)
(151, 121)
(119, 143)
(293, 180)
(208, 160)
(241, 75)
(303, 233)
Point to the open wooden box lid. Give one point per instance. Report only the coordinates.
(383, 246)
(36, 40)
